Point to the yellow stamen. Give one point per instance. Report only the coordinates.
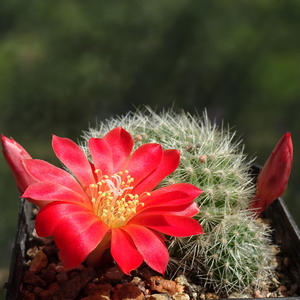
(111, 198)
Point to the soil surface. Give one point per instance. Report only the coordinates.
(46, 278)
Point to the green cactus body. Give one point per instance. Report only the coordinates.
(235, 249)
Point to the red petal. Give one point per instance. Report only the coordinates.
(73, 157)
(77, 251)
(102, 155)
(168, 164)
(190, 211)
(123, 248)
(74, 224)
(51, 214)
(43, 171)
(150, 246)
(144, 161)
(121, 144)
(169, 224)
(54, 192)
(172, 195)
(187, 210)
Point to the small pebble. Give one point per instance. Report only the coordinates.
(181, 296)
(31, 252)
(48, 275)
(161, 285)
(59, 267)
(128, 292)
(99, 290)
(283, 290)
(39, 262)
(181, 280)
(158, 297)
(62, 277)
(32, 279)
(114, 274)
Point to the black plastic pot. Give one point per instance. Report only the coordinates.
(17, 265)
(286, 235)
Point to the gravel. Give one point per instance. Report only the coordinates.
(46, 278)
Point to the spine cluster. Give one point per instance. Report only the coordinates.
(236, 249)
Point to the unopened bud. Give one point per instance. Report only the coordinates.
(273, 178)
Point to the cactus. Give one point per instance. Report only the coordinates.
(236, 249)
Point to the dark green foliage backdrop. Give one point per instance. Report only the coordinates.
(65, 63)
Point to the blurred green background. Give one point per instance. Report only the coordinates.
(64, 64)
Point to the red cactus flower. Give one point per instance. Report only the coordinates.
(109, 201)
(14, 154)
(273, 178)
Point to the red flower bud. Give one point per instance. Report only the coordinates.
(14, 154)
(273, 178)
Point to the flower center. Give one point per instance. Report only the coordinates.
(111, 198)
